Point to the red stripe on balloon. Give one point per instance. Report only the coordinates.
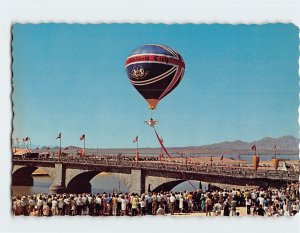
(173, 82)
(154, 58)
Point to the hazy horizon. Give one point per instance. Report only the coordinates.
(141, 146)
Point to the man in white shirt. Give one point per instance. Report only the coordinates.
(54, 207)
(261, 200)
(123, 206)
(97, 205)
(248, 205)
(172, 203)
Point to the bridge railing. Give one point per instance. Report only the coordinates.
(198, 168)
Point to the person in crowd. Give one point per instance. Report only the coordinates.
(226, 208)
(34, 212)
(160, 210)
(208, 205)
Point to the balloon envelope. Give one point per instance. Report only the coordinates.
(154, 70)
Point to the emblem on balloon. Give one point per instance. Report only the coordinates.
(137, 72)
(164, 70)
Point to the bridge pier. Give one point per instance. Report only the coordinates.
(58, 185)
(137, 181)
(80, 188)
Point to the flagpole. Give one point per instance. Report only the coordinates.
(137, 151)
(60, 147)
(83, 155)
(84, 146)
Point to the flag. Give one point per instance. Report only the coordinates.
(253, 147)
(136, 139)
(222, 157)
(82, 137)
(59, 136)
(26, 139)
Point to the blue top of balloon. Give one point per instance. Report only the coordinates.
(152, 48)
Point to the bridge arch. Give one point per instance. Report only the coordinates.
(22, 175)
(167, 186)
(78, 181)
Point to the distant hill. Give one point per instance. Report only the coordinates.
(285, 145)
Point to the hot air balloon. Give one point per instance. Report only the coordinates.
(154, 70)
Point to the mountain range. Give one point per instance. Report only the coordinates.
(284, 145)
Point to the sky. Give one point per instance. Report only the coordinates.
(240, 83)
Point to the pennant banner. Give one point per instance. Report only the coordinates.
(161, 144)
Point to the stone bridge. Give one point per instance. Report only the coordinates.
(75, 175)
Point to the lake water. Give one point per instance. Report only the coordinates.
(100, 184)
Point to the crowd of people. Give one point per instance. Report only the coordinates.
(261, 202)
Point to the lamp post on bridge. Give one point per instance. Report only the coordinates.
(136, 140)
